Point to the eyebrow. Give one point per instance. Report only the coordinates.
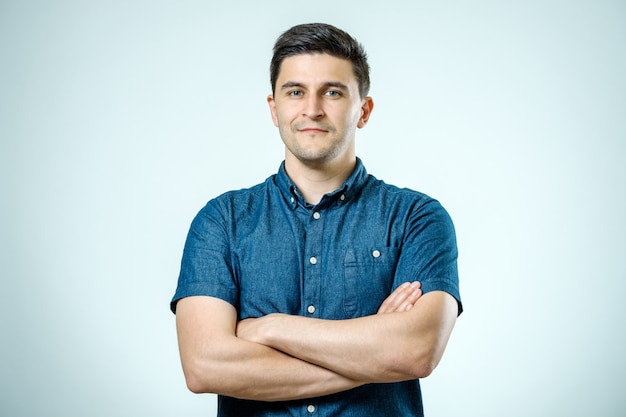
(335, 84)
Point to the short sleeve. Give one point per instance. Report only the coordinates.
(429, 251)
(206, 268)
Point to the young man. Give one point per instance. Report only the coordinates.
(322, 291)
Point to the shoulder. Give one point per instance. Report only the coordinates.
(246, 193)
(231, 206)
(418, 211)
(416, 200)
(238, 199)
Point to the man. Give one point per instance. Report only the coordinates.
(322, 291)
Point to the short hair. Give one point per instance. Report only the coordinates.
(321, 38)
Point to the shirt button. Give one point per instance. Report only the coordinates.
(376, 254)
(311, 309)
(310, 408)
(343, 197)
(312, 260)
(316, 215)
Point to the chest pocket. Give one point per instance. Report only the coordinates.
(368, 278)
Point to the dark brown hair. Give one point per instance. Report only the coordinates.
(321, 38)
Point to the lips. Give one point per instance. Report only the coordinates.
(312, 130)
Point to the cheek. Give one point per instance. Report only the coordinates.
(353, 118)
(283, 115)
(281, 121)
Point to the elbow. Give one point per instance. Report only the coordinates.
(421, 365)
(424, 358)
(196, 389)
(196, 384)
(423, 368)
(211, 380)
(197, 380)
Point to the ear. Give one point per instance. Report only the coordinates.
(366, 111)
(272, 104)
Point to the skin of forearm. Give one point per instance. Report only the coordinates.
(216, 361)
(345, 347)
(269, 375)
(380, 348)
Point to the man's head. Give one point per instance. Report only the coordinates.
(321, 38)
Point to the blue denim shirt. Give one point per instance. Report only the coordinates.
(265, 250)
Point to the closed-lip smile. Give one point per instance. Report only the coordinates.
(312, 130)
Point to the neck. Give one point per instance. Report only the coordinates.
(314, 181)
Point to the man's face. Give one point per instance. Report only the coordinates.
(317, 108)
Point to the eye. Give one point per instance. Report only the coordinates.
(333, 93)
(295, 93)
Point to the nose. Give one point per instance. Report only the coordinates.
(313, 107)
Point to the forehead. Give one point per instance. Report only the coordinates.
(314, 68)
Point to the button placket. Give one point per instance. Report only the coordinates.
(312, 271)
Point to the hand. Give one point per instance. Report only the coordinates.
(402, 299)
(252, 329)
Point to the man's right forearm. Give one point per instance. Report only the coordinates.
(216, 361)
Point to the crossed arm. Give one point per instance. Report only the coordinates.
(284, 357)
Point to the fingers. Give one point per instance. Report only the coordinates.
(397, 300)
(402, 299)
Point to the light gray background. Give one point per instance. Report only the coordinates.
(119, 120)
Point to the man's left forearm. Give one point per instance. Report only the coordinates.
(380, 348)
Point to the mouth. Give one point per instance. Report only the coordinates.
(312, 130)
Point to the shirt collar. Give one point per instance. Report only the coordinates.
(349, 190)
